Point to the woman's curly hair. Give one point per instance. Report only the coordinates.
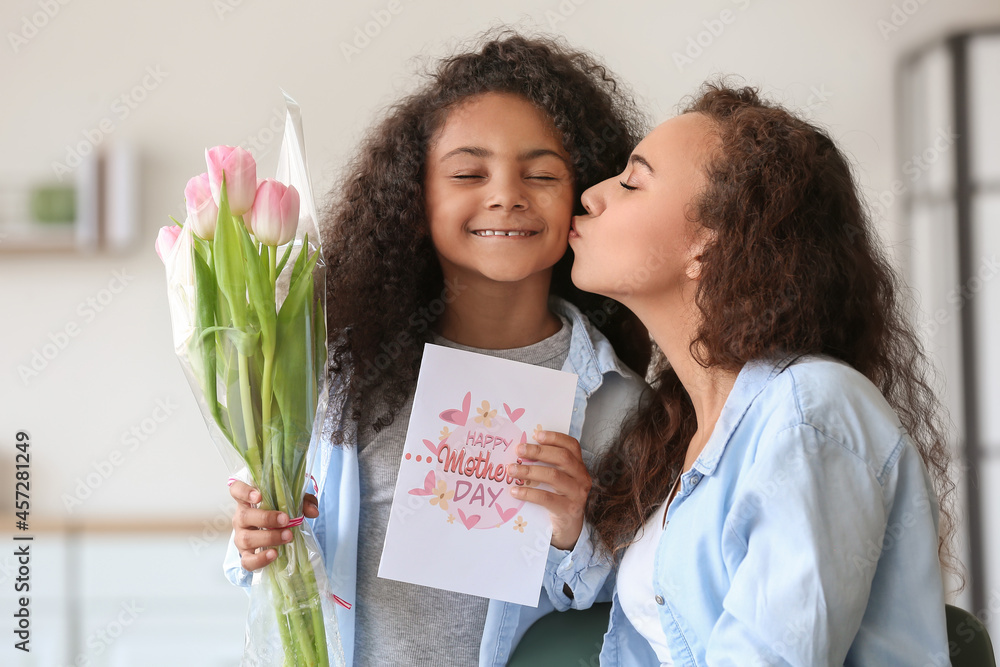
(794, 267)
(385, 286)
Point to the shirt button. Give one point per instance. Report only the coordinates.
(659, 599)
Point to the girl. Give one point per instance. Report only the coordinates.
(451, 227)
(772, 504)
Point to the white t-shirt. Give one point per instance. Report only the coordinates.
(635, 586)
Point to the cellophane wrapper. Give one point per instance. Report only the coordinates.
(225, 355)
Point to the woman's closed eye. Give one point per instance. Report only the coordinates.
(627, 186)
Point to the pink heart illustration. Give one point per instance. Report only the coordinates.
(515, 414)
(505, 516)
(435, 448)
(428, 486)
(459, 417)
(469, 521)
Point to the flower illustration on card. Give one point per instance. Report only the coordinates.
(441, 495)
(451, 518)
(485, 416)
(445, 433)
(520, 523)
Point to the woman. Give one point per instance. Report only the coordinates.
(772, 503)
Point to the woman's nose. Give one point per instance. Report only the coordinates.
(593, 199)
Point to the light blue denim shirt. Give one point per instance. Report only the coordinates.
(804, 534)
(606, 391)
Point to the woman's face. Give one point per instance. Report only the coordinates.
(499, 190)
(636, 241)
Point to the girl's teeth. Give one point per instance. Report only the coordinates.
(490, 232)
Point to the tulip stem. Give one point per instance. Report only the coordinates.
(246, 404)
(271, 252)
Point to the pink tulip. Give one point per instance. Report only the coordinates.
(202, 210)
(275, 213)
(166, 240)
(241, 176)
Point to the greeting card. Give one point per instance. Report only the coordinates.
(454, 524)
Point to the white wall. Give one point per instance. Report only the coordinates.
(222, 66)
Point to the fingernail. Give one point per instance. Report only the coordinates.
(254, 497)
(282, 519)
(515, 491)
(286, 536)
(271, 555)
(522, 449)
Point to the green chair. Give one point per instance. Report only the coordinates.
(573, 639)
(968, 641)
(564, 639)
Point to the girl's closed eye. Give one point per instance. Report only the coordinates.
(627, 186)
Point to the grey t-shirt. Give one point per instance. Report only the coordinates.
(389, 626)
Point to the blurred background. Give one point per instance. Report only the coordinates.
(107, 109)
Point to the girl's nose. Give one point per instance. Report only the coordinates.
(506, 195)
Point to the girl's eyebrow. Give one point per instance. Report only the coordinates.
(540, 152)
(480, 152)
(474, 151)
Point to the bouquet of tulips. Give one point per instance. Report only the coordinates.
(249, 327)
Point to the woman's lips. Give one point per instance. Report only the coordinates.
(573, 230)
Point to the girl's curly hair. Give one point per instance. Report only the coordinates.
(795, 267)
(385, 286)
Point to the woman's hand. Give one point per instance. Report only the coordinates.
(566, 474)
(257, 531)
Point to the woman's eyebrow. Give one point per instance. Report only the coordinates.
(640, 160)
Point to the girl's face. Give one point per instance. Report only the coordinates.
(499, 190)
(636, 241)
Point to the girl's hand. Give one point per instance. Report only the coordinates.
(568, 478)
(258, 530)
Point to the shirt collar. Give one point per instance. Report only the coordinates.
(751, 380)
(590, 353)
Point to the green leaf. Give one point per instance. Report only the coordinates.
(204, 350)
(284, 258)
(260, 289)
(319, 337)
(295, 385)
(300, 260)
(229, 261)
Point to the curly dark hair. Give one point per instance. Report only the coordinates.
(385, 286)
(794, 267)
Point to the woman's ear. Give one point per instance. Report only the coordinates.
(701, 241)
(693, 269)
